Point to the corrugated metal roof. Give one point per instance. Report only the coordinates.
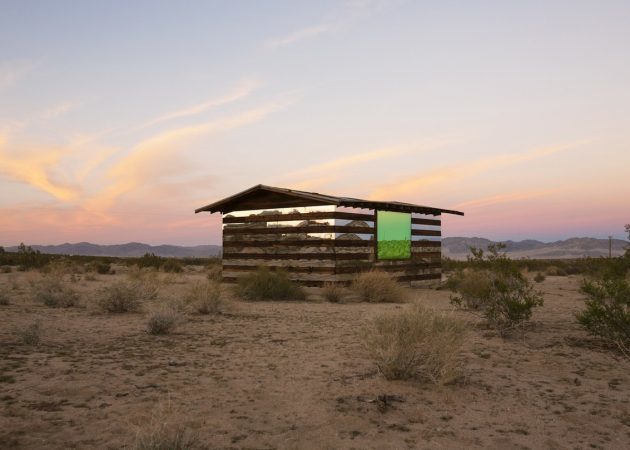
(269, 196)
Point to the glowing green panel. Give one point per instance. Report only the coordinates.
(393, 234)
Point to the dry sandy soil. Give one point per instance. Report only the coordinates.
(294, 375)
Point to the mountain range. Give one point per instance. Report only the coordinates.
(130, 249)
(453, 247)
(458, 247)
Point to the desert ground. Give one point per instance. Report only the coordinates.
(267, 375)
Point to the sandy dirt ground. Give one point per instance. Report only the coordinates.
(295, 375)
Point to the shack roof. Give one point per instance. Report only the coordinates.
(263, 197)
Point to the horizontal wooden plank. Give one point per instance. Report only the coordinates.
(305, 229)
(296, 250)
(426, 276)
(284, 262)
(426, 233)
(421, 255)
(418, 221)
(318, 281)
(292, 269)
(401, 268)
(236, 242)
(425, 243)
(316, 256)
(301, 216)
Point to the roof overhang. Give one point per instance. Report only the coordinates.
(263, 197)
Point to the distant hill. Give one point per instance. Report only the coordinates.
(457, 247)
(453, 247)
(128, 250)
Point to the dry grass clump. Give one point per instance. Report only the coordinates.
(163, 320)
(415, 342)
(125, 296)
(204, 298)
(163, 432)
(264, 284)
(556, 271)
(539, 278)
(5, 269)
(332, 292)
(31, 335)
(215, 272)
(52, 292)
(378, 287)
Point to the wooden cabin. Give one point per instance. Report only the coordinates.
(319, 238)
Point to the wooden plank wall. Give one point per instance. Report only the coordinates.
(314, 260)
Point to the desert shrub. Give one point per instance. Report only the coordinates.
(607, 312)
(264, 284)
(503, 294)
(332, 292)
(204, 298)
(172, 265)
(26, 258)
(539, 278)
(376, 286)
(163, 320)
(102, 268)
(125, 296)
(415, 342)
(52, 292)
(150, 260)
(4, 297)
(215, 272)
(556, 271)
(162, 432)
(31, 335)
(472, 285)
(5, 269)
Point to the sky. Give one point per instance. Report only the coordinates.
(118, 119)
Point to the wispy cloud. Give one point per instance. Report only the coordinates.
(34, 167)
(460, 171)
(324, 174)
(299, 35)
(60, 109)
(505, 198)
(241, 91)
(11, 73)
(160, 156)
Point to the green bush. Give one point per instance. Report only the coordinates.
(376, 286)
(25, 258)
(103, 268)
(264, 284)
(172, 265)
(607, 312)
(497, 287)
(149, 260)
(415, 343)
(125, 296)
(539, 278)
(472, 285)
(52, 292)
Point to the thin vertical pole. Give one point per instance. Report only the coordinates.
(610, 246)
